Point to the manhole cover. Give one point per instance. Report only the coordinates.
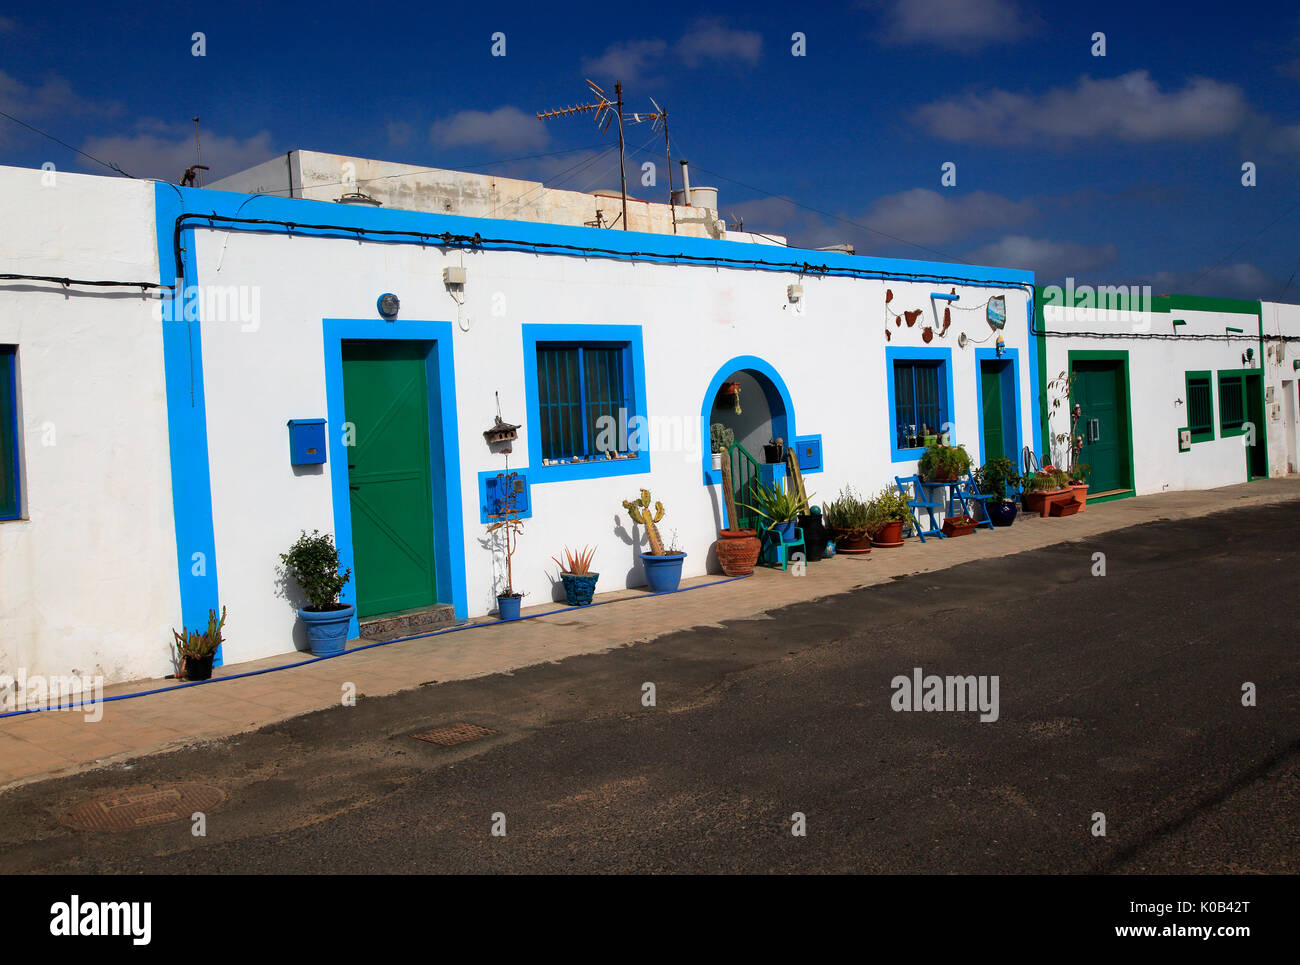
(143, 807)
(449, 735)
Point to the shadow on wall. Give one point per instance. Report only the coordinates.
(635, 575)
(287, 589)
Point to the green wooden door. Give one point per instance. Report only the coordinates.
(1099, 391)
(1257, 454)
(385, 398)
(991, 407)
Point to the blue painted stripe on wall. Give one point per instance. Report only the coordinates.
(187, 428)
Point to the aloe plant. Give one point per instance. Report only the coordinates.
(777, 505)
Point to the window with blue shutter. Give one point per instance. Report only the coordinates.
(920, 405)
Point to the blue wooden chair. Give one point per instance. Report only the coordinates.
(968, 494)
(911, 489)
(776, 552)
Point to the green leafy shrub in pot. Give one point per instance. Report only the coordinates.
(940, 463)
(998, 477)
(888, 506)
(314, 563)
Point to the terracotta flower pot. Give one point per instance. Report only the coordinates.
(958, 526)
(1040, 501)
(890, 535)
(1064, 507)
(1080, 494)
(852, 541)
(737, 551)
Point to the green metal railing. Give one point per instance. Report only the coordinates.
(745, 477)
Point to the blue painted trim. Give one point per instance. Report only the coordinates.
(449, 527)
(187, 423)
(1010, 380)
(487, 474)
(9, 360)
(1035, 379)
(778, 402)
(821, 465)
(630, 335)
(904, 353)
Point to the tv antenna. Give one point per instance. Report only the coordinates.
(657, 118)
(606, 111)
(191, 174)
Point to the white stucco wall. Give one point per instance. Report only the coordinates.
(1283, 413)
(88, 579)
(694, 319)
(1157, 371)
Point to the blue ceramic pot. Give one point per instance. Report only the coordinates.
(662, 573)
(508, 607)
(579, 587)
(1001, 514)
(785, 530)
(327, 630)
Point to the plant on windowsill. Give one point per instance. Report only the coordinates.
(663, 567)
(575, 573)
(940, 463)
(314, 562)
(509, 525)
(886, 514)
(720, 440)
(850, 519)
(196, 650)
(1000, 479)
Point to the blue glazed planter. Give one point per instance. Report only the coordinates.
(1001, 514)
(508, 607)
(327, 630)
(578, 588)
(785, 530)
(662, 573)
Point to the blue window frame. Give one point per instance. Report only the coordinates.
(586, 408)
(10, 491)
(920, 397)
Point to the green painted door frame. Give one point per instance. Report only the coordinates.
(1124, 415)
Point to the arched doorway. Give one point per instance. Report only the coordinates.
(766, 412)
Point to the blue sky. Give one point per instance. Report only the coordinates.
(1125, 168)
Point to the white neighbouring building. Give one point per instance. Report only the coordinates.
(150, 456)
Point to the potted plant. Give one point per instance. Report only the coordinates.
(886, 514)
(314, 563)
(195, 650)
(998, 478)
(940, 463)
(1045, 487)
(1079, 483)
(663, 567)
(780, 507)
(958, 525)
(507, 523)
(774, 450)
(850, 520)
(737, 549)
(575, 572)
(720, 439)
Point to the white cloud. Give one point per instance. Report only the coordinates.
(710, 39)
(1131, 107)
(1051, 261)
(954, 24)
(631, 61)
(925, 217)
(1240, 280)
(164, 151)
(52, 97)
(504, 129)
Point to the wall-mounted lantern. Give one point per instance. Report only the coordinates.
(1000, 346)
(388, 306)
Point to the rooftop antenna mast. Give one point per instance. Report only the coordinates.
(606, 110)
(191, 174)
(657, 117)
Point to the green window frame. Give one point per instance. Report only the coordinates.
(11, 502)
(1200, 405)
(1232, 403)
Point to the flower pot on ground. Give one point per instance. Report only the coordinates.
(1045, 487)
(314, 563)
(886, 514)
(575, 573)
(663, 566)
(737, 551)
(958, 525)
(196, 649)
(662, 572)
(889, 535)
(816, 534)
(1064, 507)
(1079, 484)
(850, 521)
(779, 506)
(998, 478)
(1001, 513)
(940, 463)
(508, 606)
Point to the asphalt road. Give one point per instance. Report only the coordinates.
(1119, 694)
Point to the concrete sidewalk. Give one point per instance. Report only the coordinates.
(53, 743)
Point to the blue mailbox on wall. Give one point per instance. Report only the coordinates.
(306, 442)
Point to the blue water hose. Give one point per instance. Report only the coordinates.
(368, 646)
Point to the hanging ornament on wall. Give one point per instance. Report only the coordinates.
(912, 316)
(927, 334)
(997, 311)
(947, 320)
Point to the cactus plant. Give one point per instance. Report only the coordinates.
(639, 510)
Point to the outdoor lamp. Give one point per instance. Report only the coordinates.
(1001, 346)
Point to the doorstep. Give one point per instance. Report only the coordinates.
(406, 623)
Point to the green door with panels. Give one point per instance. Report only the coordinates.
(1100, 392)
(993, 412)
(386, 400)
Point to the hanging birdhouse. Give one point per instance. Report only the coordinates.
(501, 431)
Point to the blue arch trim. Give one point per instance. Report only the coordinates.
(778, 401)
(448, 515)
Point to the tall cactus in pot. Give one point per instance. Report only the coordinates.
(639, 510)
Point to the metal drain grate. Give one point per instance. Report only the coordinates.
(143, 807)
(449, 735)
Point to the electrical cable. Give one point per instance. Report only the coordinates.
(108, 164)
